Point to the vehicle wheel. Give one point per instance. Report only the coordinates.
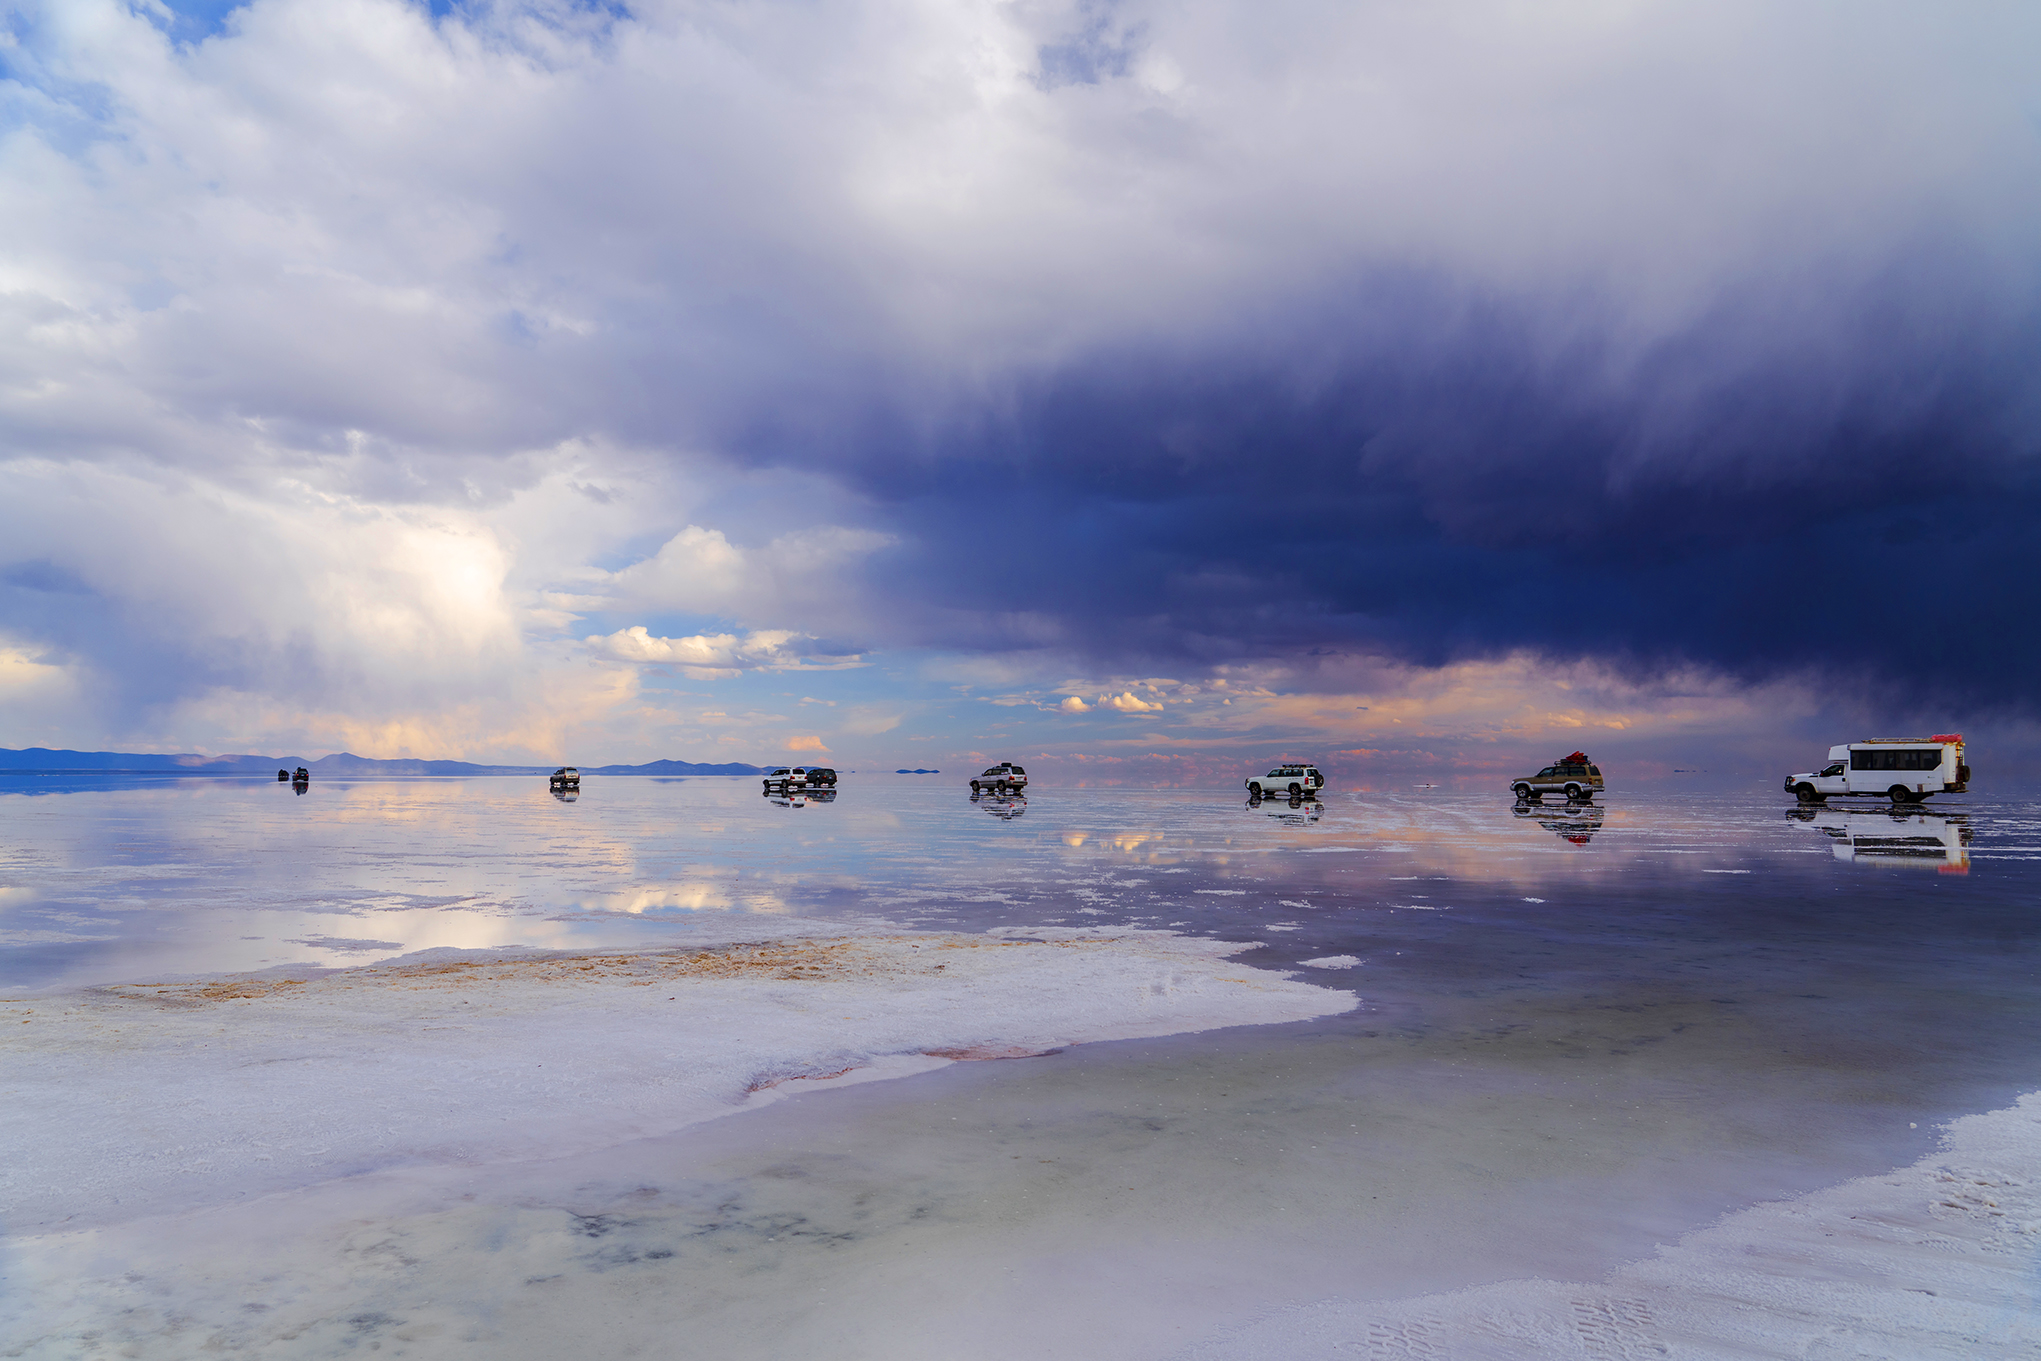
(974, 786)
(1296, 791)
(1573, 792)
(1522, 791)
(1899, 793)
(1806, 793)
(1254, 789)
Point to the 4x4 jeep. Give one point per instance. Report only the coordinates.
(788, 777)
(1574, 776)
(1290, 779)
(566, 777)
(1001, 778)
(821, 777)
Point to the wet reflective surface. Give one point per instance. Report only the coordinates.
(1584, 1030)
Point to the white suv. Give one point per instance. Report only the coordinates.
(787, 777)
(1290, 779)
(1001, 778)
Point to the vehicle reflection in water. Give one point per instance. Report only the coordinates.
(1296, 810)
(783, 797)
(1575, 821)
(1005, 807)
(566, 793)
(1893, 838)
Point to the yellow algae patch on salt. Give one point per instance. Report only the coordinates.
(816, 960)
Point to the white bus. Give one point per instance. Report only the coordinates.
(1903, 769)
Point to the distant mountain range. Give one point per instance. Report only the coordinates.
(340, 763)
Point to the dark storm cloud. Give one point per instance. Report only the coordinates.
(1853, 494)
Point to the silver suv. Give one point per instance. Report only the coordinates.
(1001, 778)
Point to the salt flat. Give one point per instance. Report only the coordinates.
(146, 1097)
(601, 1080)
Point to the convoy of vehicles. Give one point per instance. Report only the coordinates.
(1575, 776)
(1001, 778)
(1903, 769)
(1292, 778)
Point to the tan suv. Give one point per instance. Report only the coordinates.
(1574, 776)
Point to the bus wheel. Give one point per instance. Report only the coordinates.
(1806, 793)
(1899, 793)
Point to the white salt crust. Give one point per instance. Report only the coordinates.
(146, 1099)
(1936, 1260)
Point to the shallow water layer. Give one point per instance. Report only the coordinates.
(1583, 1033)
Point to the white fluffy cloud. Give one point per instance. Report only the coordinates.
(710, 656)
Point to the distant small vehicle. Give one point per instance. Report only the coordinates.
(1903, 769)
(566, 777)
(1001, 778)
(1295, 778)
(301, 775)
(790, 777)
(1574, 776)
(282, 775)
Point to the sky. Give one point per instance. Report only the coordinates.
(1148, 392)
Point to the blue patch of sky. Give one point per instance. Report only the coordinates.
(193, 21)
(69, 116)
(1097, 52)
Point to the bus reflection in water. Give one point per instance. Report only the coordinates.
(1895, 838)
(1576, 822)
